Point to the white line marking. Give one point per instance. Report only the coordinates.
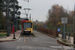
(25, 40)
(31, 38)
(18, 47)
(19, 39)
(35, 48)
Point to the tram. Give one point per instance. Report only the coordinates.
(27, 27)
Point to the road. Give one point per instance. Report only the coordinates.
(40, 42)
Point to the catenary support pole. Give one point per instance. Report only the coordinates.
(14, 21)
(74, 23)
(7, 15)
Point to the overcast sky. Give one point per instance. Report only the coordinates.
(40, 7)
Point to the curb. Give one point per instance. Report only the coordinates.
(65, 44)
(9, 40)
(62, 43)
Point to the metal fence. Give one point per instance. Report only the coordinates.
(20, 27)
(69, 28)
(35, 27)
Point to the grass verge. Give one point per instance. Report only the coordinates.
(2, 34)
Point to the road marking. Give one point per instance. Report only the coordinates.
(25, 40)
(18, 47)
(33, 48)
(63, 47)
(19, 39)
(31, 38)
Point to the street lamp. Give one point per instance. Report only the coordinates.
(27, 9)
(7, 14)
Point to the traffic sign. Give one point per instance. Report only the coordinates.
(45, 25)
(58, 29)
(64, 20)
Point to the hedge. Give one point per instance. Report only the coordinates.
(48, 31)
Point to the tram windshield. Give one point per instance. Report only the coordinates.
(27, 25)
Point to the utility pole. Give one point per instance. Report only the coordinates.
(27, 11)
(30, 16)
(14, 21)
(32, 19)
(74, 23)
(26, 15)
(7, 15)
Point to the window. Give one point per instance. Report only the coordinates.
(27, 25)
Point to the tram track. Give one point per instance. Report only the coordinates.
(28, 39)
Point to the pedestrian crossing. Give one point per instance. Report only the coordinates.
(33, 48)
(42, 48)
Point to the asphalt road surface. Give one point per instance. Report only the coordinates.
(40, 42)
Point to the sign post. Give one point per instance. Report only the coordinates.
(74, 23)
(64, 20)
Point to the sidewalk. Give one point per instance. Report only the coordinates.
(71, 38)
(10, 38)
(65, 43)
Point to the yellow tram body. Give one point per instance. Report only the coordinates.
(27, 27)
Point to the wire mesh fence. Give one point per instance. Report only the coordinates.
(68, 28)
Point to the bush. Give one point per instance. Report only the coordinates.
(56, 33)
(2, 34)
(48, 31)
(3, 30)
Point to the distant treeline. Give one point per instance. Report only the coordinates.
(56, 13)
